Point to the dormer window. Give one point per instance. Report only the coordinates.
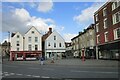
(18, 36)
(32, 32)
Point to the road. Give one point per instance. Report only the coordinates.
(35, 70)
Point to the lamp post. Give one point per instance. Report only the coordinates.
(83, 50)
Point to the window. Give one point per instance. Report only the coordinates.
(117, 33)
(36, 39)
(116, 17)
(48, 44)
(17, 49)
(18, 43)
(36, 47)
(29, 39)
(97, 27)
(104, 12)
(98, 39)
(96, 17)
(54, 37)
(59, 44)
(32, 32)
(29, 47)
(54, 44)
(106, 36)
(18, 36)
(105, 23)
(115, 4)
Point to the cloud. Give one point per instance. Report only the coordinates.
(87, 14)
(20, 20)
(45, 6)
(69, 36)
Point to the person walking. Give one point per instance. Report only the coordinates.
(42, 61)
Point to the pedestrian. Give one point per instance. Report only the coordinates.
(42, 61)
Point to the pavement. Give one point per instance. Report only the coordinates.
(64, 68)
(73, 62)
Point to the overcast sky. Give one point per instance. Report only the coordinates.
(68, 18)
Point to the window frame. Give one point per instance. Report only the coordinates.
(106, 36)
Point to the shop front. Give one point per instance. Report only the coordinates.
(109, 51)
(25, 55)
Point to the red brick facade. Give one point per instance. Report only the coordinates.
(107, 35)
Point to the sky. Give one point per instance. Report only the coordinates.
(67, 18)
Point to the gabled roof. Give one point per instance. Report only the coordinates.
(31, 28)
(57, 33)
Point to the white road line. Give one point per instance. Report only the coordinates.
(12, 73)
(95, 72)
(5, 72)
(19, 74)
(36, 76)
(28, 75)
(44, 77)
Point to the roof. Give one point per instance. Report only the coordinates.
(102, 6)
(31, 28)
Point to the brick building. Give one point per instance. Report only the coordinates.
(107, 25)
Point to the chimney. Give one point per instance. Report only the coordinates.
(50, 30)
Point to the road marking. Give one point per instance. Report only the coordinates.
(12, 73)
(36, 76)
(95, 72)
(28, 75)
(5, 72)
(48, 69)
(44, 77)
(19, 74)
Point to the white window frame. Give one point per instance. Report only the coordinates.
(114, 18)
(106, 39)
(113, 5)
(96, 17)
(36, 39)
(97, 27)
(104, 11)
(105, 26)
(115, 33)
(97, 39)
(29, 39)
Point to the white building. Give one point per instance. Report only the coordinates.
(54, 45)
(27, 47)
